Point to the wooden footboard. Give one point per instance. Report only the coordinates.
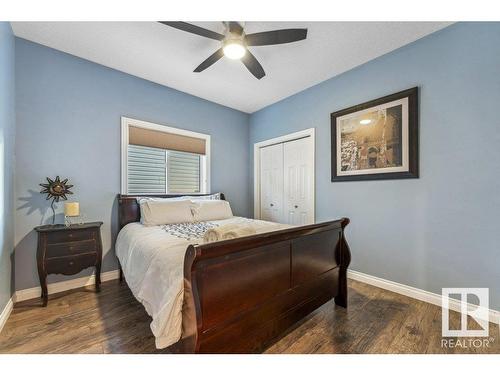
(241, 294)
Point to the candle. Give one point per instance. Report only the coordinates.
(71, 209)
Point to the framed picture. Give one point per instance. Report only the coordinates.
(377, 140)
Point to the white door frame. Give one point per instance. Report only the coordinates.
(256, 165)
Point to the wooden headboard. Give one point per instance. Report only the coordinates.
(129, 211)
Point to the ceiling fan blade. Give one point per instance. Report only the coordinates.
(212, 59)
(276, 37)
(235, 27)
(253, 65)
(193, 29)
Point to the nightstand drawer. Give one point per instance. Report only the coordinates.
(70, 236)
(70, 248)
(71, 264)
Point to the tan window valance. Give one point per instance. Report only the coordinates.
(152, 138)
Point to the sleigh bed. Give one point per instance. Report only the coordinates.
(241, 294)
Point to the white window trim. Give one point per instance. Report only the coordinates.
(256, 165)
(126, 122)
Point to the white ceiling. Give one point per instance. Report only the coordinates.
(168, 56)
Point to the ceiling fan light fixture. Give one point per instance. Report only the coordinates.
(234, 49)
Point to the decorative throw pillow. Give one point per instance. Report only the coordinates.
(212, 197)
(155, 212)
(207, 210)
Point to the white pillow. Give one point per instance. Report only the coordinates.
(206, 210)
(154, 212)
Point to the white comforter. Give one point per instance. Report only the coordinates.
(153, 260)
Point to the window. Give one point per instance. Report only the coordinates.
(158, 159)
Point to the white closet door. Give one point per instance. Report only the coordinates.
(271, 183)
(298, 181)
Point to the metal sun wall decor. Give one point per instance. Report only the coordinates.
(56, 190)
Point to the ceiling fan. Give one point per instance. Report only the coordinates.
(235, 43)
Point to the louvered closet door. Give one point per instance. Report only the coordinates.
(271, 183)
(298, 162)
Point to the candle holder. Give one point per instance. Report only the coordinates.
(72, 214)
(73, 220)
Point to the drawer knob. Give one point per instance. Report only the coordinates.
(71, 263)
(70, 235)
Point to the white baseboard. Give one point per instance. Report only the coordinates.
(409, 291)
(6, 313)
(25, 294)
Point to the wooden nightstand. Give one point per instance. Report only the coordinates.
(68, 250)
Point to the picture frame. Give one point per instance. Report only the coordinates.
(376, 140)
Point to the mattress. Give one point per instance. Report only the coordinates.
(152, 260)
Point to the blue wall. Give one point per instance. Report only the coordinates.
(68, 124)
(7, 132)
(441, 230)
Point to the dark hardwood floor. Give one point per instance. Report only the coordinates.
(377, 321)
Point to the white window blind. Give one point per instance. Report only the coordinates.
(146, 170)
(183, 169)
(159, 171)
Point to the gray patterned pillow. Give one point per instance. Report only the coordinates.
(215, 196)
